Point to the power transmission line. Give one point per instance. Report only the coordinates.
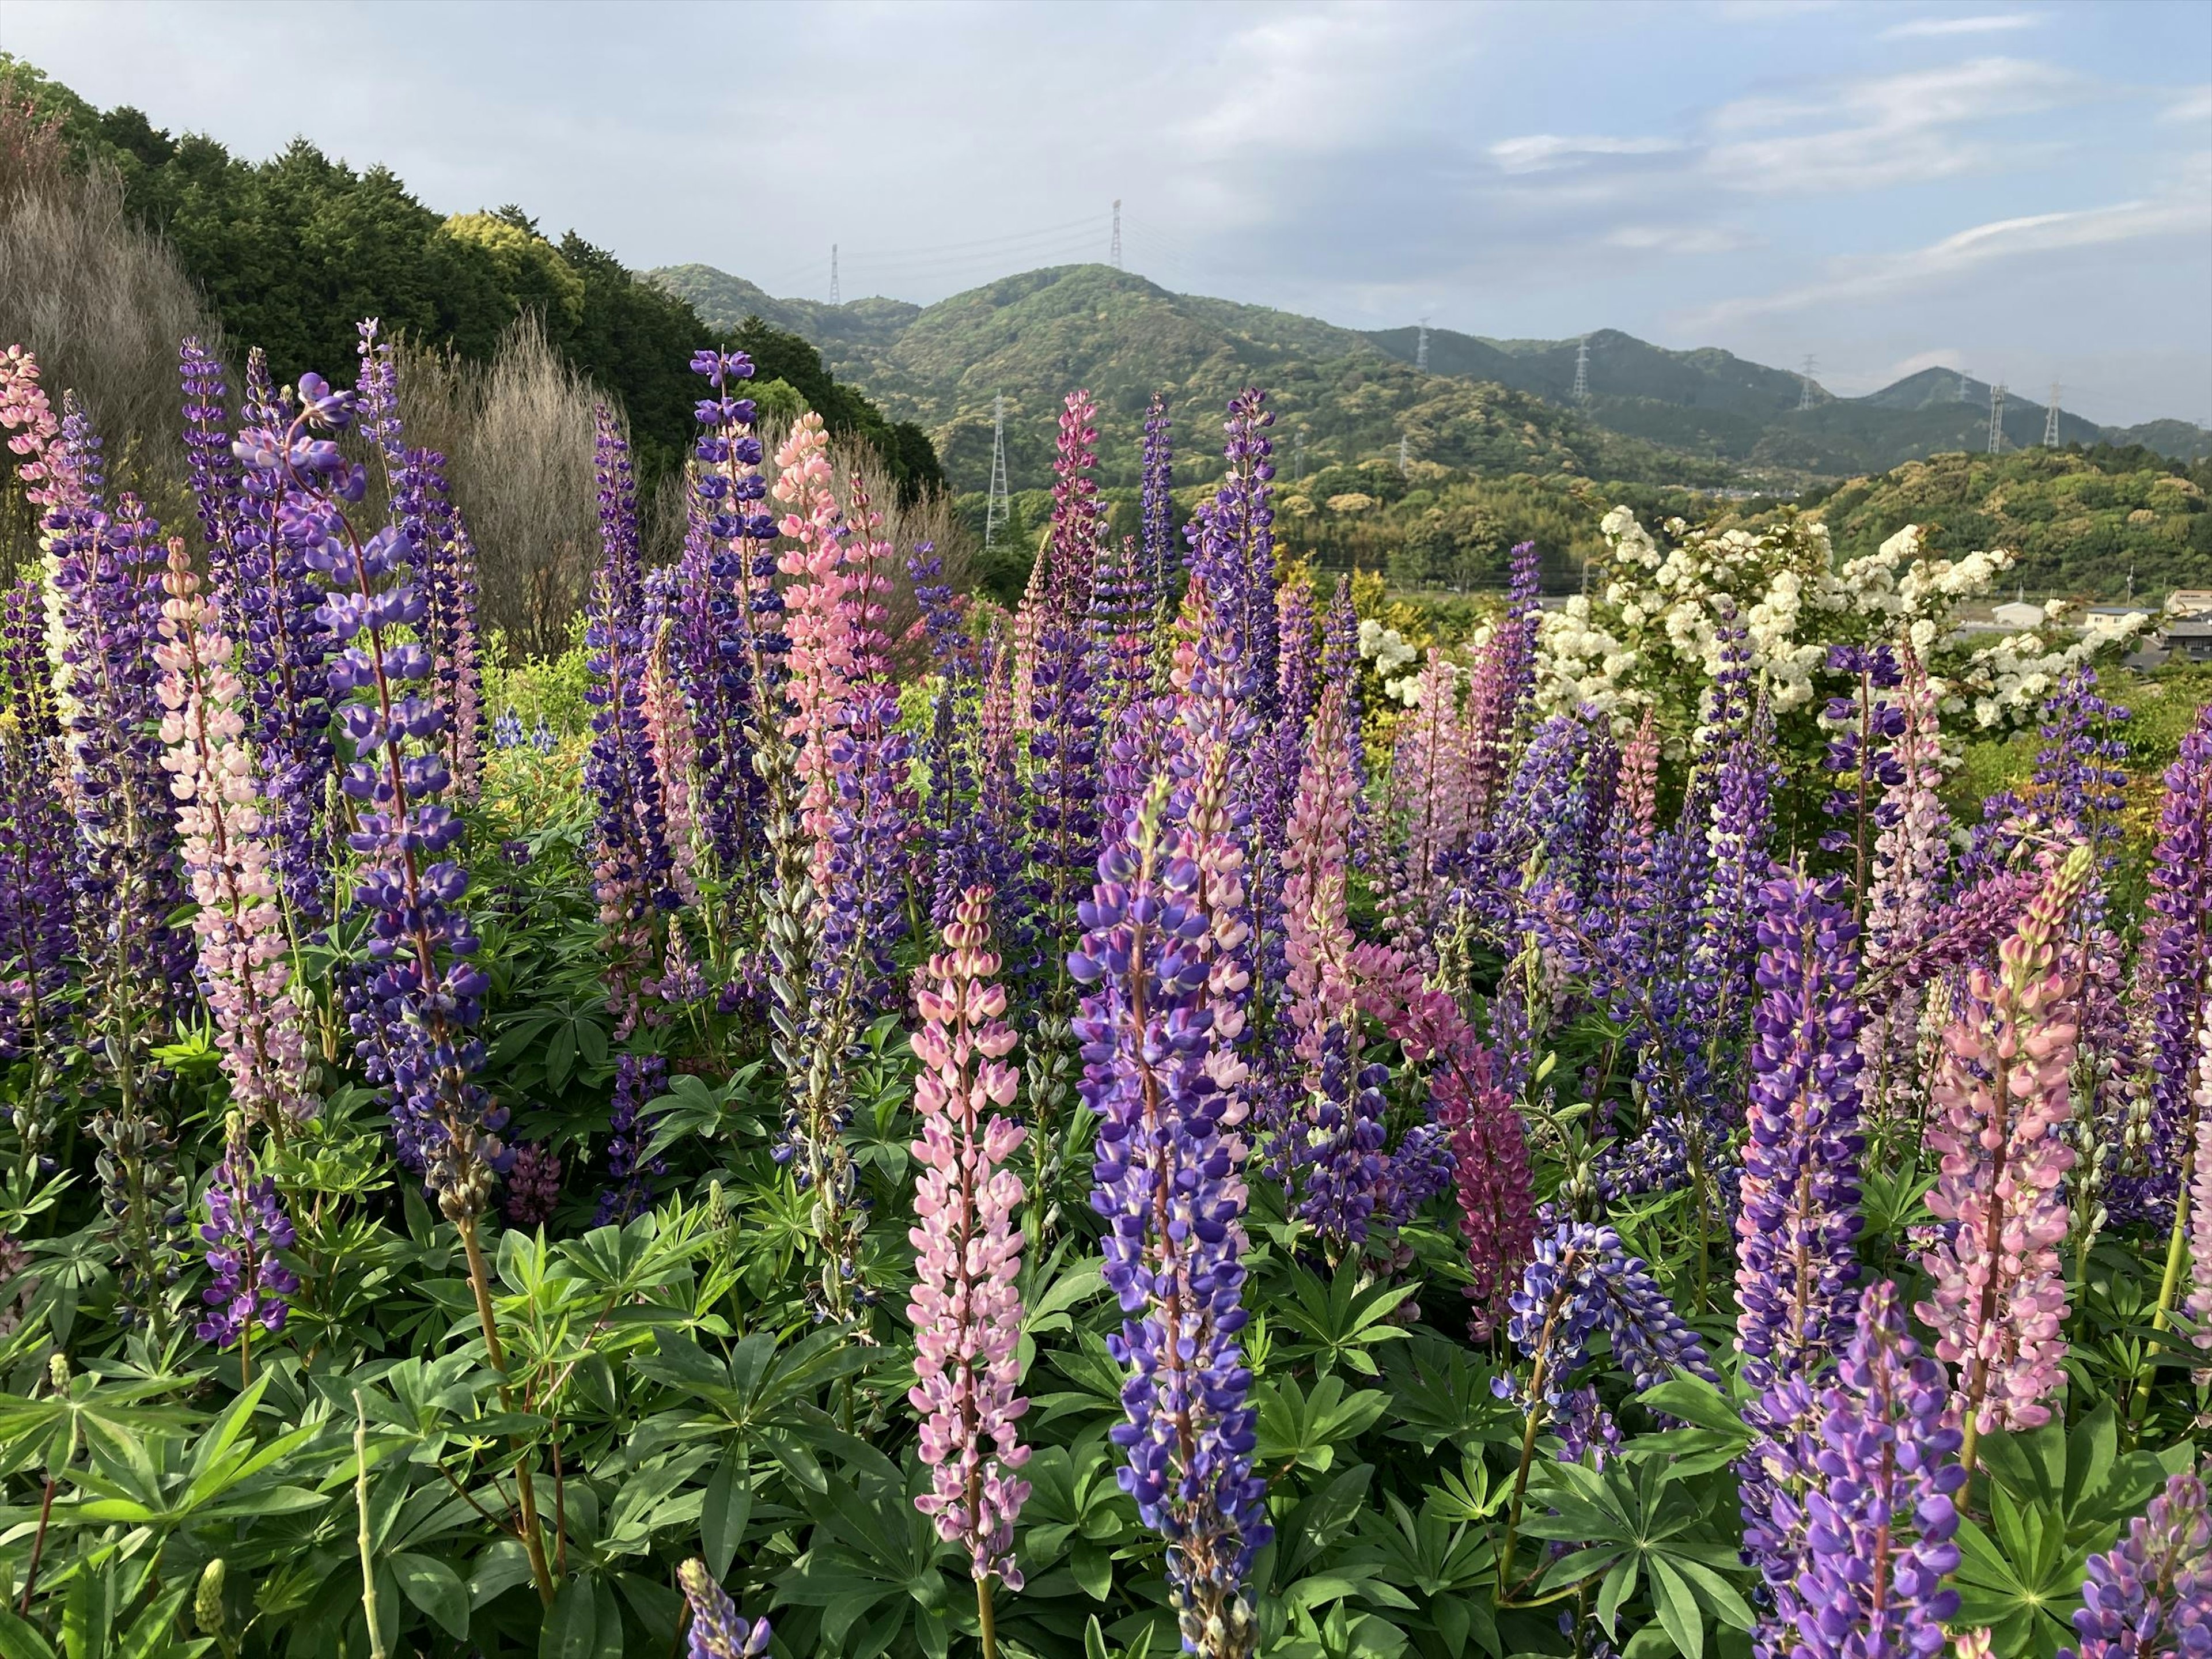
(2050, 420)
(1582, 372)
(1421, 350)
(998, 509)
(1997, 418)
(834, 299)
(1113, 257)
(1805, 374)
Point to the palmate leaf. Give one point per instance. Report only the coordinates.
(1298, 1430)
(1337, 1322)
(2054, 1498)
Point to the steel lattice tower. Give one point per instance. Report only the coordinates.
(1805, 374)
(1421, 349)
(1997, 418)
(1580, 393)
(998, 509)
(834, 299)
(2050, 420)
(1114, 256)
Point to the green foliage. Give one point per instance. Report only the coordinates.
(291, 252)
(2081, 521)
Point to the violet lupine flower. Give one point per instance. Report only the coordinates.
(2080, 772)
(1866, 726)
(2001, 1098)
(1489, 1153)
(1235, 555)
(445, 571)
(2150, 1595)
(1870, 1538)
(507, 730)
(533, 1185)
(632, 866)
(245, 969)
(1156, 504)
(103, 606)
(2181, 950)
(419, 997)
(246, 1227)
(37, 841)
(1336, 1148)
(1165, 1147)
(210, 469)
(639, 1079)
(267, 598)
(717, 1632)
(966, 1309)
(1579, 1280)
(729, 629)
(1798, 1205)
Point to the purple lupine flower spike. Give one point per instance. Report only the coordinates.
(1857, 1541)
(1166, 1142)
(2179, 930)
(717, 1632)
(2150, 1595)
(245, 1226)
(1798, 1213)
(415, 1002)
(639, 1079)
(37, 845)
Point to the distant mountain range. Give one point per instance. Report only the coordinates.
(1494, 406)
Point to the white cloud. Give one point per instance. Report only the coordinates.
(2192, 109)
(1677, 239)
(1922, 29)
(1894, 129)
(2188, 211)
(1539, 151)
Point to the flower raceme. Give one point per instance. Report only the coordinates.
(2001, 1093)
(966, 1310)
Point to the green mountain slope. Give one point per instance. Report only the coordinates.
(1712, 402)
(1030, 338)
(2089, 521)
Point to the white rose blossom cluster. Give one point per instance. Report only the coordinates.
(1385, 648)
(1654, 625)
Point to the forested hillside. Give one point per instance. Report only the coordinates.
(289, 251)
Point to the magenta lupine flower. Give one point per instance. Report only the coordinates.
(1899, 903)
(533, 1185)
(246, 1227)
(2001, 1096)
(2150, 1595)
(1432, 800)
(1078, 517)
(1798, 1214)
(1858, 1540)
(1489, 1153)
(966, 1310)
(716, 1632)
(245, 969)
(1317, 937)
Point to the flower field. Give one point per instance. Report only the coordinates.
(1165, 1119)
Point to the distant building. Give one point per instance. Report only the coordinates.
(2189, 637)
(2015, 614)
(2187, 633)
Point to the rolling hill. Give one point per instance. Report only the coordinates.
(1499, 406)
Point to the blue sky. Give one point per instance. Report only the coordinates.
(2025, 191)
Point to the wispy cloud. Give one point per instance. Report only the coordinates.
(2186, 211)
(1677, 239)
(2192, 109)
(1938, 29)
(1539, 151)
(1881, 130)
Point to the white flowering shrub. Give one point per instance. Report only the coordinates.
(1651, 637)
